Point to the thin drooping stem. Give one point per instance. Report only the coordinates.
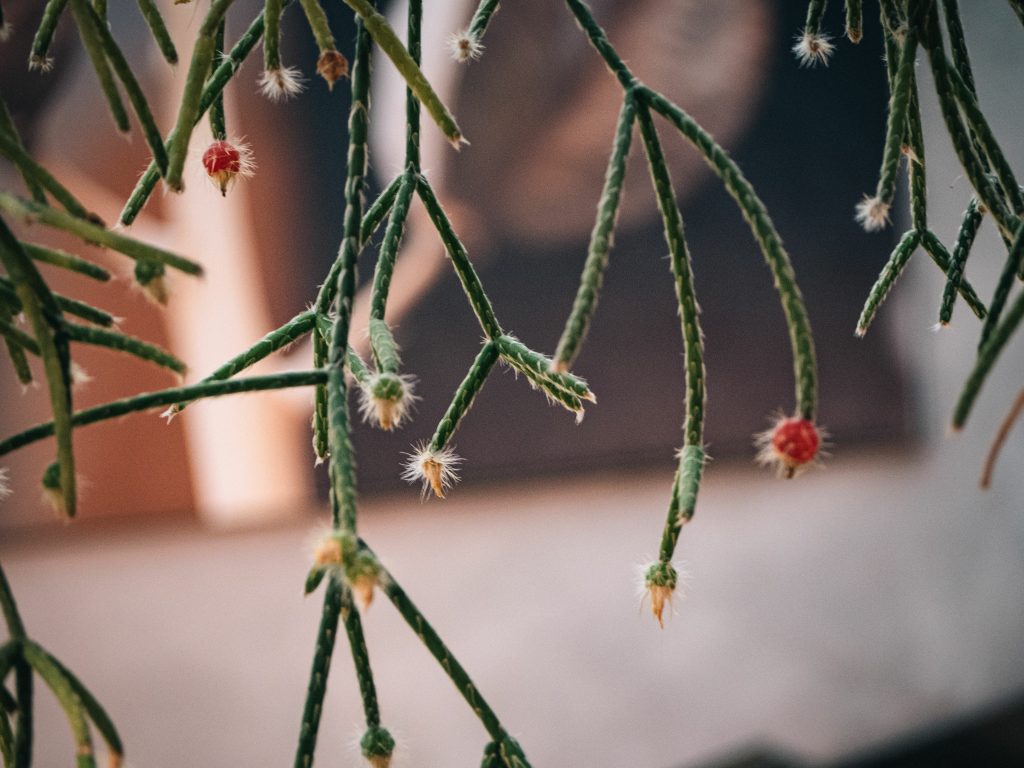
(946, 88)
(482, 18)
(997, 442)
(360, 658)
(388, 41)
(12, 149)
(600, 41)
(987, 356)
(86, 14)
(156, 25)
(899, 103)
(23, 676)
(381, 341)
(92, 233)
(691, 464)
(601, 239)
(414, 29)
(958, 259)
(325, 639)
(1008, 276)
(750, 205)
(218, 120)
(433, 643)
(890, 272)
(121, 342)
(934, 248)
(464, 395)
(272, 39)
(65, 260)
(277, 339)
(39, 58)
(342, 468)
(93, 709)
(69, 701)
(47, 323)
(7, 127)
(756, 216)
(163, 397)
(460, 260)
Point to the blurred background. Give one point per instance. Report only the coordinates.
(866, 613)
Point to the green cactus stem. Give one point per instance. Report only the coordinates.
(156, 25)
(601, 239)
(164, 397)
(92, 233)
(325, 639)
(392, 47)
(65, 260)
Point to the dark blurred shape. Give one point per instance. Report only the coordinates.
(993, 738)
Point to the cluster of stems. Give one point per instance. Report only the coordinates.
(343, 560)
(932, 30)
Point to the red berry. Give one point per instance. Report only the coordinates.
(224, 161)
(790, 445)
(221, 156)
(796, 439)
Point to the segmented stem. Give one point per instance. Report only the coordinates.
(433, 643)
(1011, 268)
(65, 260)
(7, 127)
(601, 240)
(92, 233)
(325, 639)
(815, 13)
(65, 694)
(163, 397)
(934, 248)
(272, 39)
(460, 260)
(756, 216)
(100, 337)
(414, 29)
(462, 401)
(218, 121)
(963, 144)
(693, 426)
(887, 278)
(85, 14)
(987, 356)
(899, 102)
(389, 246)
(156, 25)
(47, 323)
(392, 47)
(39, 56)
(277, 339)
(482, 18)
(12, 149)
(360, 658)
(958, 260)
(342, 470)
(318, 25)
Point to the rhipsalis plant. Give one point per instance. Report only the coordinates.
(932, 31)
(35, 322)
